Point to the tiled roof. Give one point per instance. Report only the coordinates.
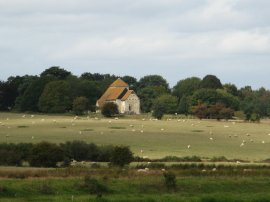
(119, 83)
(111, 94)
(128, 93)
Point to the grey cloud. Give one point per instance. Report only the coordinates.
(175, 38)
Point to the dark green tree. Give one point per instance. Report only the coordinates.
(46, 154)
(9, 92)
(121, 156)
(56, 72)
(231, 88)
(80, 105)
(186, 87)
(184, 105)
(56, 97)
(211, 82)
(131, 81)
(153, 80)
(28, 101)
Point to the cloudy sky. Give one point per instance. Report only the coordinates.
(173, 38)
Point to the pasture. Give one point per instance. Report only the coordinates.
(146, 137)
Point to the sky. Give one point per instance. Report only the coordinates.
(173, 38)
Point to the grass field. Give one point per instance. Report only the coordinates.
(129, 186)
(154, 139)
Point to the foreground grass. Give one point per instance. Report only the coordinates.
(139, 188)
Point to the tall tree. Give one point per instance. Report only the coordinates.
(153, 80)
(56, 97)
(56, 72)
(211, 82)
(186, 87)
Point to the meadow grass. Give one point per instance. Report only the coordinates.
(146, 138)
(138, 188)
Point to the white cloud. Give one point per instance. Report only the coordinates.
(246, 42)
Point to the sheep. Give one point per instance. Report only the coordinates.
(188, 146)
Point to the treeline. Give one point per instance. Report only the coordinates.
(47, 154)
(56, 90)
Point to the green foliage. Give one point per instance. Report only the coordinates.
(164, 104)
(210, 82)
(28, 99)
(55, 72)
(94, 186)
(186, 87)
(153, 80)
(170, 180)
(46, 154)
(79, 151)
(133, 84)
(56, 97)
(80, 105)
(109, 109)
(121, 156)
(184, 105)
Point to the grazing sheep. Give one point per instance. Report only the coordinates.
(188, 146)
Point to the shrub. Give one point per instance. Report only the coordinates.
(94, 186)
(9, 157)
(46, 154)
(80, 104)
(80, 151)
(109, 109)
(170, 180)
(121, 155)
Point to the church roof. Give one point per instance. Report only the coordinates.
(119, 83)
(117, 90)
(128, 93)
(111, 94)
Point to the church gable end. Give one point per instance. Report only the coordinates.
(119, 93)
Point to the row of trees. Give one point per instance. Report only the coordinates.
(56, 90)
(40, 155)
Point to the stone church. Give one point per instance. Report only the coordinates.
(118, 92)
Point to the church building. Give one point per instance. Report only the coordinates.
(118, 92)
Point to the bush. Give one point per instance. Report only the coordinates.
(46, 154)
(121, 155)
(9, 158)
(80, 104)
(170, 180)
(93, 186)
(109, 109)
(80, 151)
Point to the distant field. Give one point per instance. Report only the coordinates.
(154, 139)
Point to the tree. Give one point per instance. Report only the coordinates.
(184, 105)
(153, 80)
(121, 156)
(80, 104)
(230, 88)
(133, 84)
(164, 104)
(28, 100)
(46, 154)
(186, 87)
(211, 82)
(9, 92)
(109, 109)
(148, 95)
(56, 97)
(56, 72)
